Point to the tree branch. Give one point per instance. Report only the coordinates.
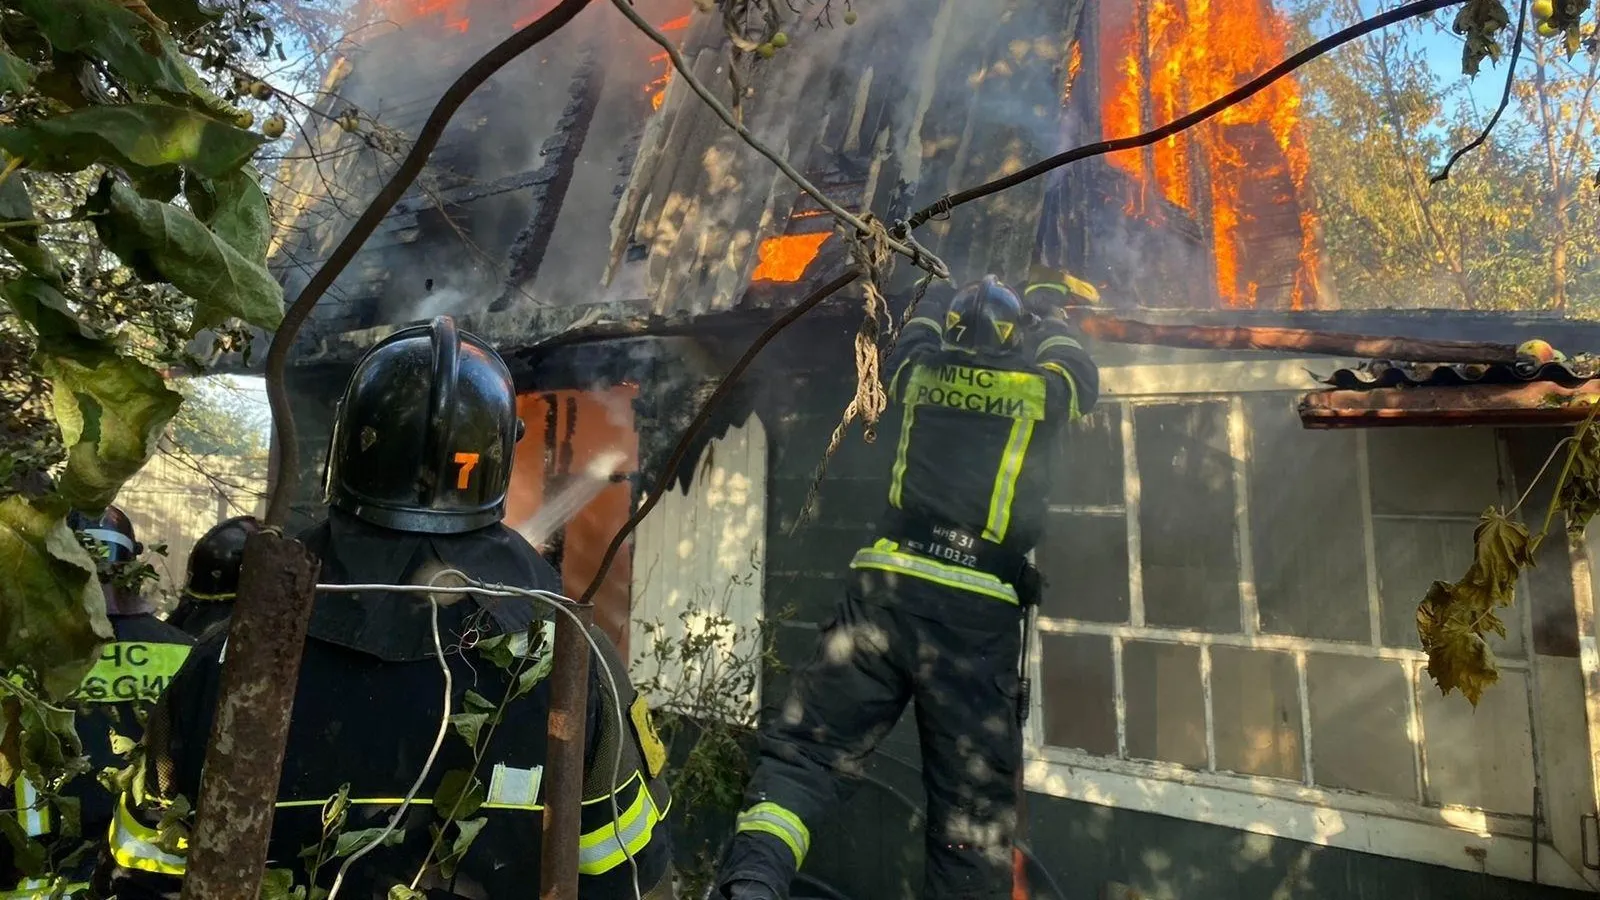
(1505, 101)
(675, 461)
(287, 451)
(1183, 123)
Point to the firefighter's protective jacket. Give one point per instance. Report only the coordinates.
(976, 437)
(368, 710)
(130, 674)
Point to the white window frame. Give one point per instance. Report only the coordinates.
(1453, 836)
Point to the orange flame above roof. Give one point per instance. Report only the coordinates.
(1171, 56)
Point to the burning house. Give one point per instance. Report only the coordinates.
(1230, 697)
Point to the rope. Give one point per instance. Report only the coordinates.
(873, 255)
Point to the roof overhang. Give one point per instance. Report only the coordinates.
(1535, 403)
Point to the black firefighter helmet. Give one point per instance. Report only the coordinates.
(110, 535)
(985, 317)
(425, 435)
(217, 557)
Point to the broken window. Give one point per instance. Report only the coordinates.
(1083, 554)
(1428, 488)
(1480, 758)
(1256, 704)
(1165, 702)
(1305, 525)
(1231, 593)
(1186, 516)
(1360, 719)
(1077, 672)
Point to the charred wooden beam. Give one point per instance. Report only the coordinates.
(560, 152)
(1290, 340)
(1536, 403)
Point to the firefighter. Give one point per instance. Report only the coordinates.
(131, 672)
(932, 609)
(418, 470)
(213, 576)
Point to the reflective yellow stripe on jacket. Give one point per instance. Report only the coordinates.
(603, 849)
(770, 818)
(135, 845)
(886, 555)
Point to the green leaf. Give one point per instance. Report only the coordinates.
(122, 745)
(198, 96)
(162, 240)
(184, 15)
(1503, 550)
(22, 241)
(351, 841)
(467, 831)
(401, 892)
(105, 31)
(334, 811)
(533, 674)
(460, 794)
(52, 613)
(44, 309)
(235, 209)
(16, 75)
(477, 703)
(69, 814)
(468, 725)
(277, 884)
(111, 410)
(132, 135)
(28, 855)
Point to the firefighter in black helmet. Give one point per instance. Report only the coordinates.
(133, 669)
(213, 578)
(931, 612)
(418, 470)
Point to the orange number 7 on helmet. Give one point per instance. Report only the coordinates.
(466, 461)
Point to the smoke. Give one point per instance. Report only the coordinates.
(566, 120)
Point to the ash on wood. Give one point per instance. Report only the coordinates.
(228, 849)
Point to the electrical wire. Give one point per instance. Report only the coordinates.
(561, 604)
(433, 753)
(1156, 135)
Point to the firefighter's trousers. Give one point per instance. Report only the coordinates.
(895, 640)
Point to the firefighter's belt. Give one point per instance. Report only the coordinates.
(952, 545)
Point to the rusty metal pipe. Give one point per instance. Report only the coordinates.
(249, 733)
(563, 772)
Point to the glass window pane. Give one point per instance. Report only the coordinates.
(1305, 525)
(1089, 470)
(1078, 700)
(1360, 725)
(1412, 554)
(1555, 620)
(1166, 707)
(1480, 758)
(1256, 702)
(1084, 560)
(1186, 516)
(1433, 470)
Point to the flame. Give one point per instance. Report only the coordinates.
(787, 256)
(657, 87)
(1188, 53)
